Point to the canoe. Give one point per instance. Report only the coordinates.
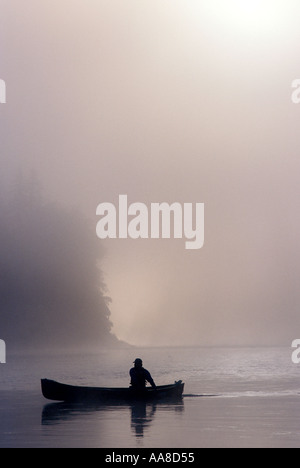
(68, 393)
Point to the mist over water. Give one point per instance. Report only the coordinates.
(164, 102)
(172, 103)
(233, 398)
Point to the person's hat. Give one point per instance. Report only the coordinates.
(138, 361)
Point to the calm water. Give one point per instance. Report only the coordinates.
(233, 398)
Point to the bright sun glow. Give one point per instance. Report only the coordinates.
(256, 16)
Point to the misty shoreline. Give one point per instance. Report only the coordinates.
(121, 345)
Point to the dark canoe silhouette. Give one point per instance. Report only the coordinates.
(60, 392)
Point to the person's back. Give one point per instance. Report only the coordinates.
(140, 376)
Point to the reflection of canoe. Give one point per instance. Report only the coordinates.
(61, 392)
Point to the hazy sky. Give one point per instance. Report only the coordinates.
(168, 100)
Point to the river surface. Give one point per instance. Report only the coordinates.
(234, 397)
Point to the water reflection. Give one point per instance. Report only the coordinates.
(142, 414)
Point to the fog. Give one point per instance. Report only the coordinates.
(52, 292)
(164, 102)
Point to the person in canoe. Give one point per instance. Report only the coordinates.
(140, 376)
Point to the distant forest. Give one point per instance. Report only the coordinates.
(51, 287)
